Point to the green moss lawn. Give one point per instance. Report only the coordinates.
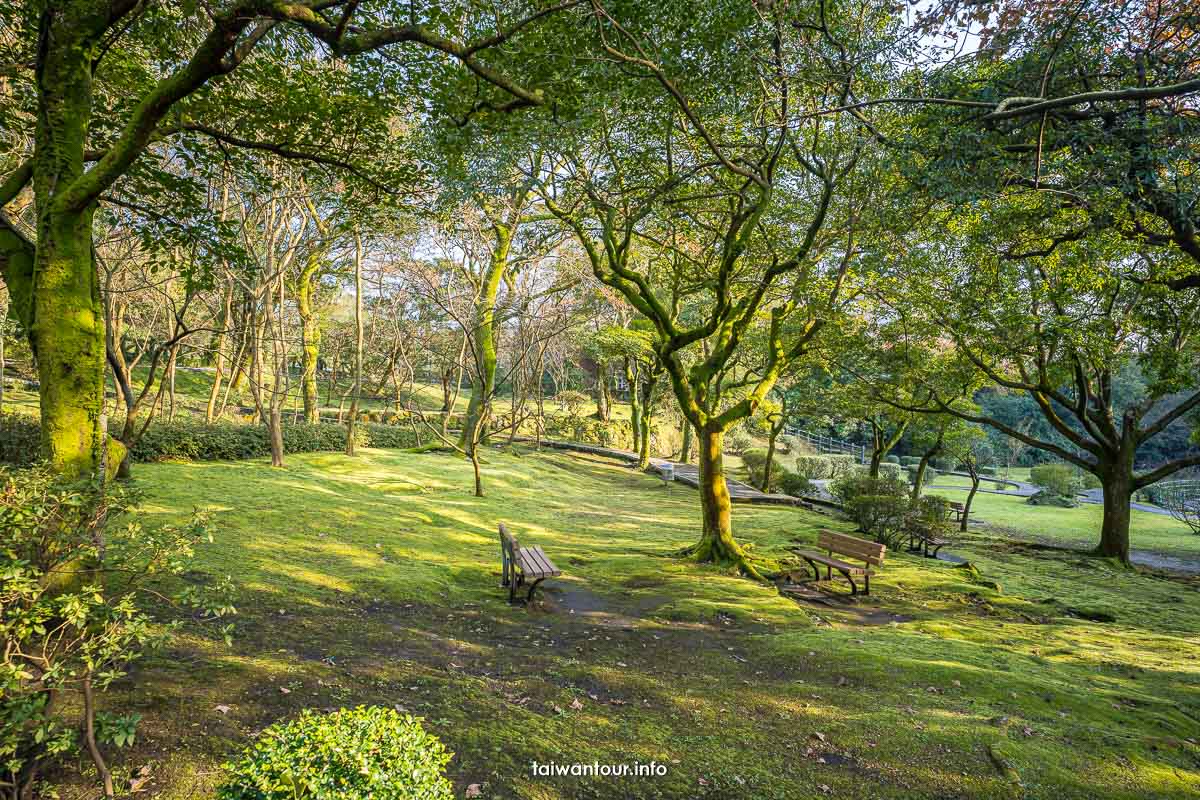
(374, 580)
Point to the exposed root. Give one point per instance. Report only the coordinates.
(704, 552)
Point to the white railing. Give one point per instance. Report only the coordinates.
(823, 444)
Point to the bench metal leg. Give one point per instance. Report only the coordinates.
(867, 584)
(935, 551)
(532, 587)
(853, 585)
(816, 570)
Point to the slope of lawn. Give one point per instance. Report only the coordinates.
(374, 580)
(1075, 527)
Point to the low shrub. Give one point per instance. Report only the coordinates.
(20, 438)
(987, 471)
(881, 516)
(368, 753)
(840, 464)
(860, 482)
(893, 472)
(929, 477)
(932, 509)
(70, 627)
(755, 461)
(891, 459)
(796, 484)
(814, 468)
(1057, 479)
(1048, 498)
(944, 463)
(193, 440)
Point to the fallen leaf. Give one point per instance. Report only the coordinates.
(474, 790)
(284, 690)
(223, 709)
(575, 704)
(820, 737)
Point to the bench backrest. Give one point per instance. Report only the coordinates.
(860, 549)
(509, 548)
(957, 506)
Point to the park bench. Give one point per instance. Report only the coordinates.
(523, 565)
(959, 509)
(923, 538)
(870, 553)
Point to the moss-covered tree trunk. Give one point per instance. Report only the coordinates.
(358, 344)
(483, 381)
(716, 541)
(635, 408)
(646, 413)
(686, 450)
(310, 336)
(66, 328)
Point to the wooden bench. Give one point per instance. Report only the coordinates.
(959, 509)
(922, 539)
(870, 553)
(523, 565)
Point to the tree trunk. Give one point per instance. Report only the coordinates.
(686, 453)
(358, 345)
(275, 429)
(646, 410)
(1118, 491)
(716, 542)
(310, 336)
(56, 281)
(962, 525)
(603, 397)
(635, 409)
(210, 410)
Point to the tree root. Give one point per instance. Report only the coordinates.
(702, 553)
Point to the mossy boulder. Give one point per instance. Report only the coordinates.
(1045, 498)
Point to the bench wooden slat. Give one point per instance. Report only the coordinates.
(535, 563)
(840, 566)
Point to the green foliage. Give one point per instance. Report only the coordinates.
(193, 440)
(1049, 498)
(1058, 479)
(932, 509)
(882, 516)
(368, 753)
(20, 438)
(589, 430)
(929, 477)
(840, 464)
(891, 471)
(795, 484)
(859, 482)
(908, 461)
(813, 468)
(72, 569)
(737, 441)
(944, 463)
(890, 459)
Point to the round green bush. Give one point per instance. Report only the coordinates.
(796, 485)
(368, 753)
(891, 459)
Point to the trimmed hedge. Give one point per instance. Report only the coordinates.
(193, 440)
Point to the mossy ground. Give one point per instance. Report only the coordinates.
(374, 580)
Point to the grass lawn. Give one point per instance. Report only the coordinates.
(374, 580)
(1076, 527)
